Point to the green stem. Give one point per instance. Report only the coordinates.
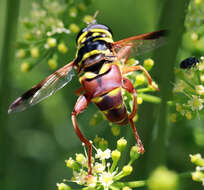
(174, 22)
(150, 98)
(186, 175)
(7, 59)
(113, 166)
(132, 184)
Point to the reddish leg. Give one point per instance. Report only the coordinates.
(80, 105)
(79, 91)
(141, 68)
(124, 52)
(127, 85)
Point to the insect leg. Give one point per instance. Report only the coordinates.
(124, 52)
(141, 68)
(80, 105)
(79, 91)
(127, 85)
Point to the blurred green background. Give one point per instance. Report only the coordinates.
(35, 143)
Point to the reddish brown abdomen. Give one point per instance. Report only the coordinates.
(113, 107)
(105, 91)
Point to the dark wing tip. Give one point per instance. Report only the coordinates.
(158, 34)
(13, 107)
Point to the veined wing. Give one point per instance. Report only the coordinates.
(44, 89)
(142, 43)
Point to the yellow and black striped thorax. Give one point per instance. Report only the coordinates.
(94, 44)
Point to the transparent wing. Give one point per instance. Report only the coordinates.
(142, 43)
(44, 89)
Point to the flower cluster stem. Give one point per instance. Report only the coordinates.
(132, 184)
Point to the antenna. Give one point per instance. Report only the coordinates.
(94, 18)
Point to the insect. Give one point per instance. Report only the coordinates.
(98, 65)
(189, 63)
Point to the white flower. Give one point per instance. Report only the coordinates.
(201, 66)
(106, 179)
(98, 168)
(179, 86)
(196, 103)
(199, 89)
(103, 155)
(91, 181)
(79, 177)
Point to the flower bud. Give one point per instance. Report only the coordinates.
(148, 64)
(81, 159)
(21, 53)
(69, 163)
(194, 36)
(139, 100)
(51, 42)
(52, 63)
(74, 28)
(127, 170)
(81, 6)
(178, 107)
(115, 155)
(115, 130)
(199, 89)
(188, 115)
(34, 51)
(198, 176)
(28, 36)
(73, 12)
(202, 78)
(72, 164)
(63, 186)
(121, 144)
(131, 61)
(163, 179)
(25, 66)
(88, 19)
(198, 2)
(140, 79)
(134, 153)
(173, 117)
(197, 160)
(103, 144)
(62, 48)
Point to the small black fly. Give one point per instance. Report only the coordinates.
(189, 63)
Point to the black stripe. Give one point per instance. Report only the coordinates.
(89, 46)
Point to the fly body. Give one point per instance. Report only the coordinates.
(98, 64)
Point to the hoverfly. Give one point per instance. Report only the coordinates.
(98, 64)
(190, 62)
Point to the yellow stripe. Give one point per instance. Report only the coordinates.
(119, 106)
(81, 78)
(114, 92)
(81, 37)
(97, 99)
(104, 68)
(109, 40)
(96, 34)
(105, 112)
(90, 75)
(93, 52)
(101, 31)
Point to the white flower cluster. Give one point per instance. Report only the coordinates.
(105, 173)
